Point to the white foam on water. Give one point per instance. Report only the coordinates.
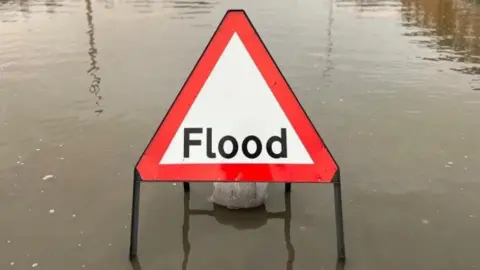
(46, 177)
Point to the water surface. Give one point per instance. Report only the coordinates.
(392, 86)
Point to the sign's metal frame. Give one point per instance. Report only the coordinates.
(286, 215)
(337, 189)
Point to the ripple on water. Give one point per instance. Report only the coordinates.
(450, 28)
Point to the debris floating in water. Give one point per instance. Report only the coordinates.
(73, 216)
(8, 241)
(34, 265)
(80, 244)
(12, 263)
(51, 211)
(424, 221)
(46, 177)
(451, 163)
(471, 216)
(38, 149)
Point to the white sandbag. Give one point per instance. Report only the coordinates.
(239, 195)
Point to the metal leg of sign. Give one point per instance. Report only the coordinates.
(185, 229)
(288, 187)
(287, 230)
(337, 186)
(186, 186)
(135, 210)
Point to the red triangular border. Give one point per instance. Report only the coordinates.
(324, 167)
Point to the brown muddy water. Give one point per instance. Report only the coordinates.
(393, 87)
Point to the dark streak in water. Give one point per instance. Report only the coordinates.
(51, 5)
(468, 70)
(329, 65)
(188, 9)
(92, 52)
(191, 4)
(24, 7)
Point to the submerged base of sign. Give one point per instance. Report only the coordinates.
(236, 195)
(341, 255)
(243, 219)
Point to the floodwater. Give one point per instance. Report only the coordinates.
(392, 86)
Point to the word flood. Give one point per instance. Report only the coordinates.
(220, 148)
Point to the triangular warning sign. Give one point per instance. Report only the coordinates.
(236, 119)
